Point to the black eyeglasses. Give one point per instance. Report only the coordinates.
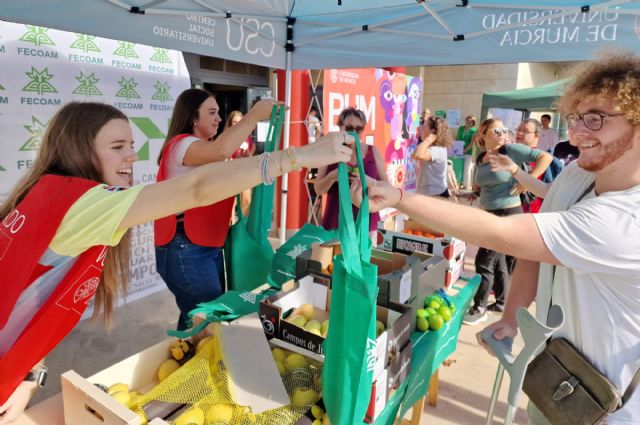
(592, 120)
(357, 129)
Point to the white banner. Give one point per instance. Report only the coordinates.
(42, 69)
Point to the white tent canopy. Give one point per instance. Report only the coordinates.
(317, 34)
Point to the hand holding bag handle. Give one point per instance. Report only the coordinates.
(350, 345)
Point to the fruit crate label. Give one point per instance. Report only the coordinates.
(405, 287)
(409, 246)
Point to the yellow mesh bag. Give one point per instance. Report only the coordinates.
(202, 382)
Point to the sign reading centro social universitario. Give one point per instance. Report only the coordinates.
(42, 69)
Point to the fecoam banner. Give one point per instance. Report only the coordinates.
(391, 102)
(41, 69)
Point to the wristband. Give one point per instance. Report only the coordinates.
(292, 159)
(264, 168)
(399, 200)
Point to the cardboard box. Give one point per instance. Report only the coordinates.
(310, 289)
(389, 380)
(307, 265)
(395, 276)
(397, 319)
(86, 404)
(446, 247)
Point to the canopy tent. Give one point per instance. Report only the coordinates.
(313, 34)
(529, 99)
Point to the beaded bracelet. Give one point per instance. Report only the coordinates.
(264, 167)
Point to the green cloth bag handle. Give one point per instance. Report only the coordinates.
(261, 209)
(354, 236)
(349, 349)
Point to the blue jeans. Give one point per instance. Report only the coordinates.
(193, 273)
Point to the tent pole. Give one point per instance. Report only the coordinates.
(285, 145)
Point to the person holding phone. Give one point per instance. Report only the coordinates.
(352, 120)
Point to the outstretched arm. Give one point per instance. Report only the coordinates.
(214, 182)
(502, 234)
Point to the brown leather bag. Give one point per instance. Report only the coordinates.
(567, 389)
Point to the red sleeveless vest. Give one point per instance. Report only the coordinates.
(25, 235)
(204, 226)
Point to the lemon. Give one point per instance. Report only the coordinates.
(220, 413)
(166, 368)
(117, 387)
(294, 361)
(303, 397)
(122, 397)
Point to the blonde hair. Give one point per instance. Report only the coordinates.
(614, 75)
(230, 118)
(68, 149)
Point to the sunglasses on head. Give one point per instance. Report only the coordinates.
(500, 130)
(357, 129)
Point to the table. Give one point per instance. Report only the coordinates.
(430, 349)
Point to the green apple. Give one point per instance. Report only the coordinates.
(430, 311)
(435, 322)
(313, 325)
(421, 312)
(422, 324)
(379, 328)
(295, 360)
(278, 354)
(445, 312)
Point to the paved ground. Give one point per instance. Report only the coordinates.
(465, 385)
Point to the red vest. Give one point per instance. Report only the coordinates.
(204, 226)
(25, 235)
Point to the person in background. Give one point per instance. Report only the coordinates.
(498, 197)
(528, 134)
(431, 152)
(548, 136)
(189, 244)
(566, 152)
(466, 132)
(314, 126)
(67, 220)
(350, 119)
(247, 148)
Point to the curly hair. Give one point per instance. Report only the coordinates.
(614, 75)
(443, 135)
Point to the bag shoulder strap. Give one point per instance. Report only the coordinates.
(636, 377)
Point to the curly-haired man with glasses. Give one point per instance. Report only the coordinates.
(582, 251)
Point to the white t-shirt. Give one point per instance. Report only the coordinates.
(548, 139)
(597, 241)
(175, 167)
(432, 179)
(313, 127)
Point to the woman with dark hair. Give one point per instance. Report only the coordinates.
(350, 119)
(74, 203)
(189, 244)
(432, 154)
(247, 148)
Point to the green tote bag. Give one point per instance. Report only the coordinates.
(349, 349)
(248, 253)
